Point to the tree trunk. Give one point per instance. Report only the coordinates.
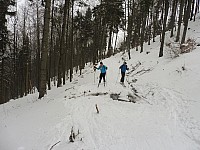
(65, 65)
(173, 15)
(38, 49)
(180, 20)
(155, 21)
(45, 43)
(164, 28)
(192, 11)
(196, 9)
(72, 44)
(110, 49)
(186, 19)
(142, 31)
(51, 48)
(130, 26)
(61, 59)
(2, 98)
(14, 59)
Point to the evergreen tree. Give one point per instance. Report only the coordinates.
(4, 53)
(111, 13)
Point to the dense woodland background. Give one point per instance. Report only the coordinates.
(49, 40)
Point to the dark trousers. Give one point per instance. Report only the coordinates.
(122, 78)
(102, 75)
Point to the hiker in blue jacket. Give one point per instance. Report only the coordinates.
(123, 68)
(103, 69)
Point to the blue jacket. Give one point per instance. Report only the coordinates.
(123, 68)
(102, 68)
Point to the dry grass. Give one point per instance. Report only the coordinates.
(188, 46)
(175, 49)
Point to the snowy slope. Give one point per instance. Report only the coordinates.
(166, 115)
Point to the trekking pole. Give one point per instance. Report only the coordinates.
(94, 73)
(94, 76)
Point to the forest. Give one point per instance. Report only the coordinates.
(47, 41)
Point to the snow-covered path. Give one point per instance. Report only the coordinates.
(157, 121)
(166, 115)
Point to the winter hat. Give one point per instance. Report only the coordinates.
(101, 63)
(125, 63)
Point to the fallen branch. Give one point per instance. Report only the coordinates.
(117, 97)
(132, 98)
(54, 145)
(98, 93)
(143, 71)
(69, 88)
(124, 100)
(134, 68)
(114, 96)
(144, 99)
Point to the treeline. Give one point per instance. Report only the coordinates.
(149, 18)
(49, 40)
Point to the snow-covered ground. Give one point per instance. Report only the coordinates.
(166, 115)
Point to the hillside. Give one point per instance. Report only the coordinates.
(165, 114)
